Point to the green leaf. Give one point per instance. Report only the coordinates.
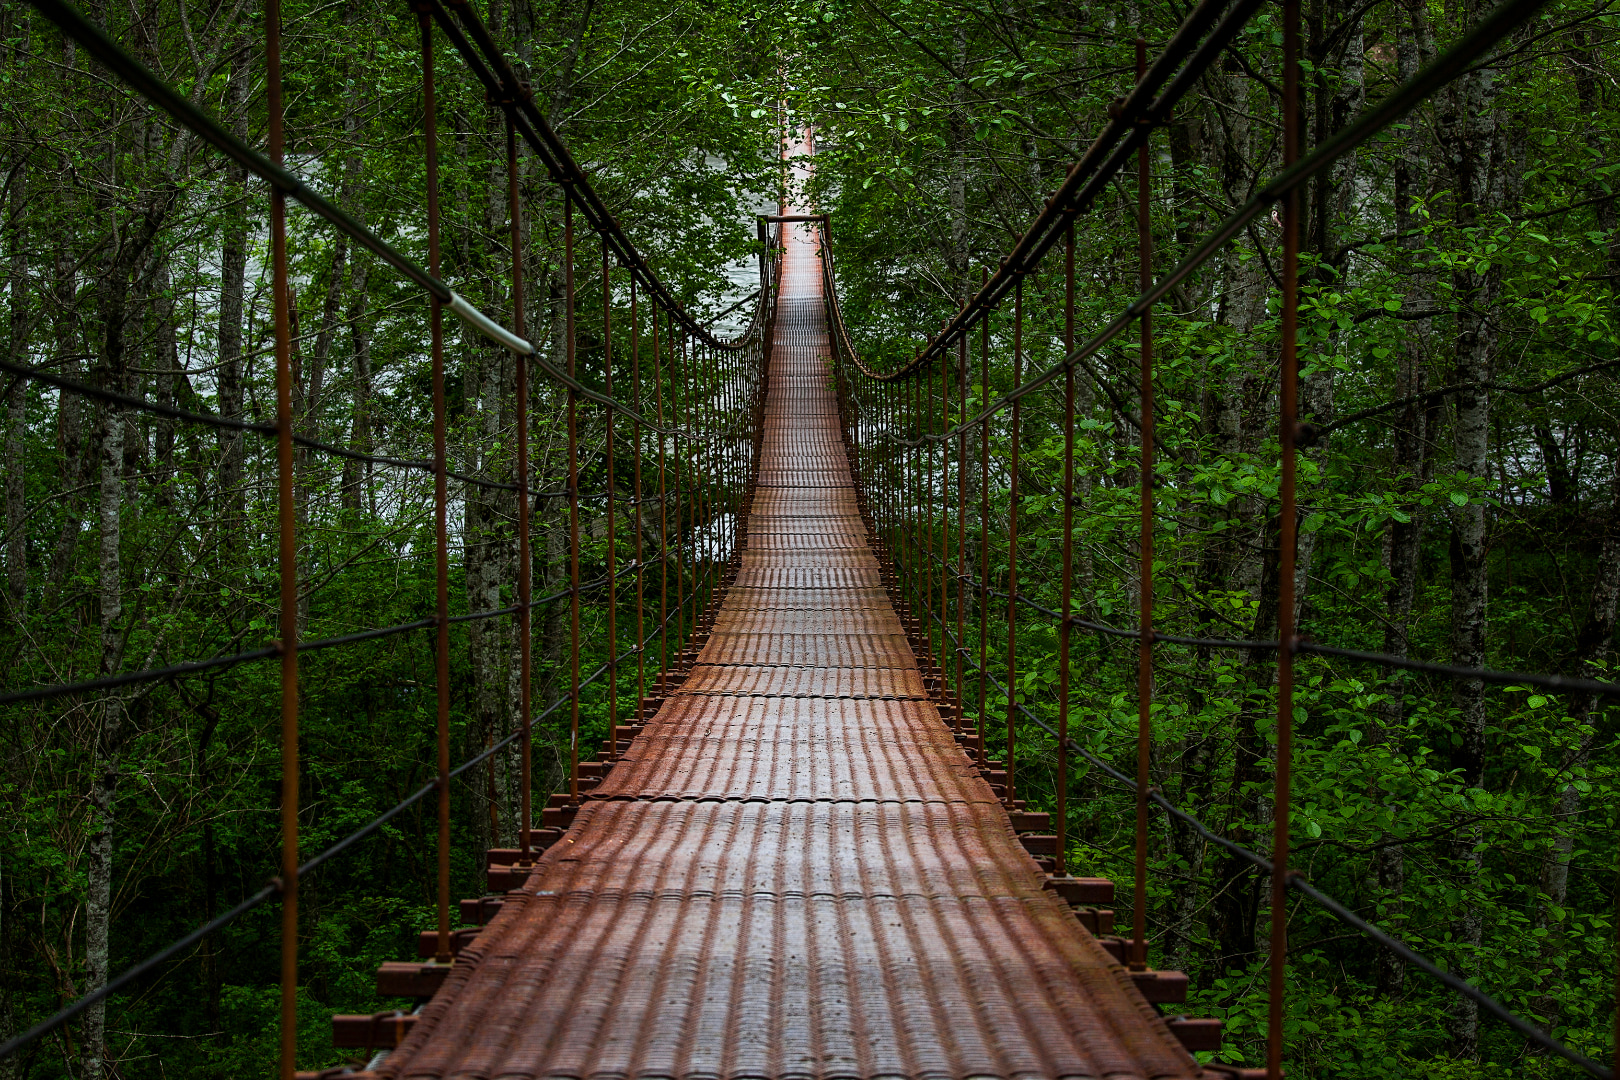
(1460, 498)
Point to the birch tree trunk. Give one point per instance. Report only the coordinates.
(105, 770)
(232, 276)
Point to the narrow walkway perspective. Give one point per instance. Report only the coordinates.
(793, 870)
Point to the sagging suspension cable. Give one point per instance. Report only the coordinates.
(1562, 684)
(148, 85)
(270, 891)
(175, 671)
(172, 412)
(1296, 879)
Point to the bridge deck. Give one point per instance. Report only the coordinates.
(794, 871)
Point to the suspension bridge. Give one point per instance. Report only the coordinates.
(793, 867)
(796, 855)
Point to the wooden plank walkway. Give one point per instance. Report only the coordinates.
(794, 870)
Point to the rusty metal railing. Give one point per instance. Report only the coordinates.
(902, 434)
(706, 455)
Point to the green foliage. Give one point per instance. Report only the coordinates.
(998, 105)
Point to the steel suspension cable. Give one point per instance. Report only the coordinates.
(68, 1013)
(1299, 883)
(1284, 189)
(282, 184)
(139, 78)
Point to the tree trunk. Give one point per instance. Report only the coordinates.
(1593, 645)
(1591, 648)
(1410, 465)
(76, 465)
(232, 275)
(1467, 134)
(355, 473)
(104, 778)
(17, 400)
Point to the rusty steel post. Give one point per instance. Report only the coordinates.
(708, 471)
(1012, 547)
(677, 359)
(663, 517)
(961, 531)
(925, 510)
(984, 532)
(699, 474)
(922, 535)
(899, 501)
(514, 210)
(287, 556)
(635, 401)
(1287, 426)
(913, 497)
(569, 346)
(893, 480)
(612, 561)
(944, 524)
(909, 467)
(1060, 807)
(708, 413)
(1144, 664)
(441, 538)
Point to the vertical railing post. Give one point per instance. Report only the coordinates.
(961, 528)
(635, 398)
(520, 327)
(663, 517)
(1061, 799)
(1287, 421)
(925, 507)
(287, 560)
(1012, 546)
(914, 500)
(612, 561)
(1144, 662)
(708, 420)
(984, 531)
(441, 533)
(573, 498)
(679, 406)
(944, 524)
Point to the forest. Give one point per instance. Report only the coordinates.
(1459, 479)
